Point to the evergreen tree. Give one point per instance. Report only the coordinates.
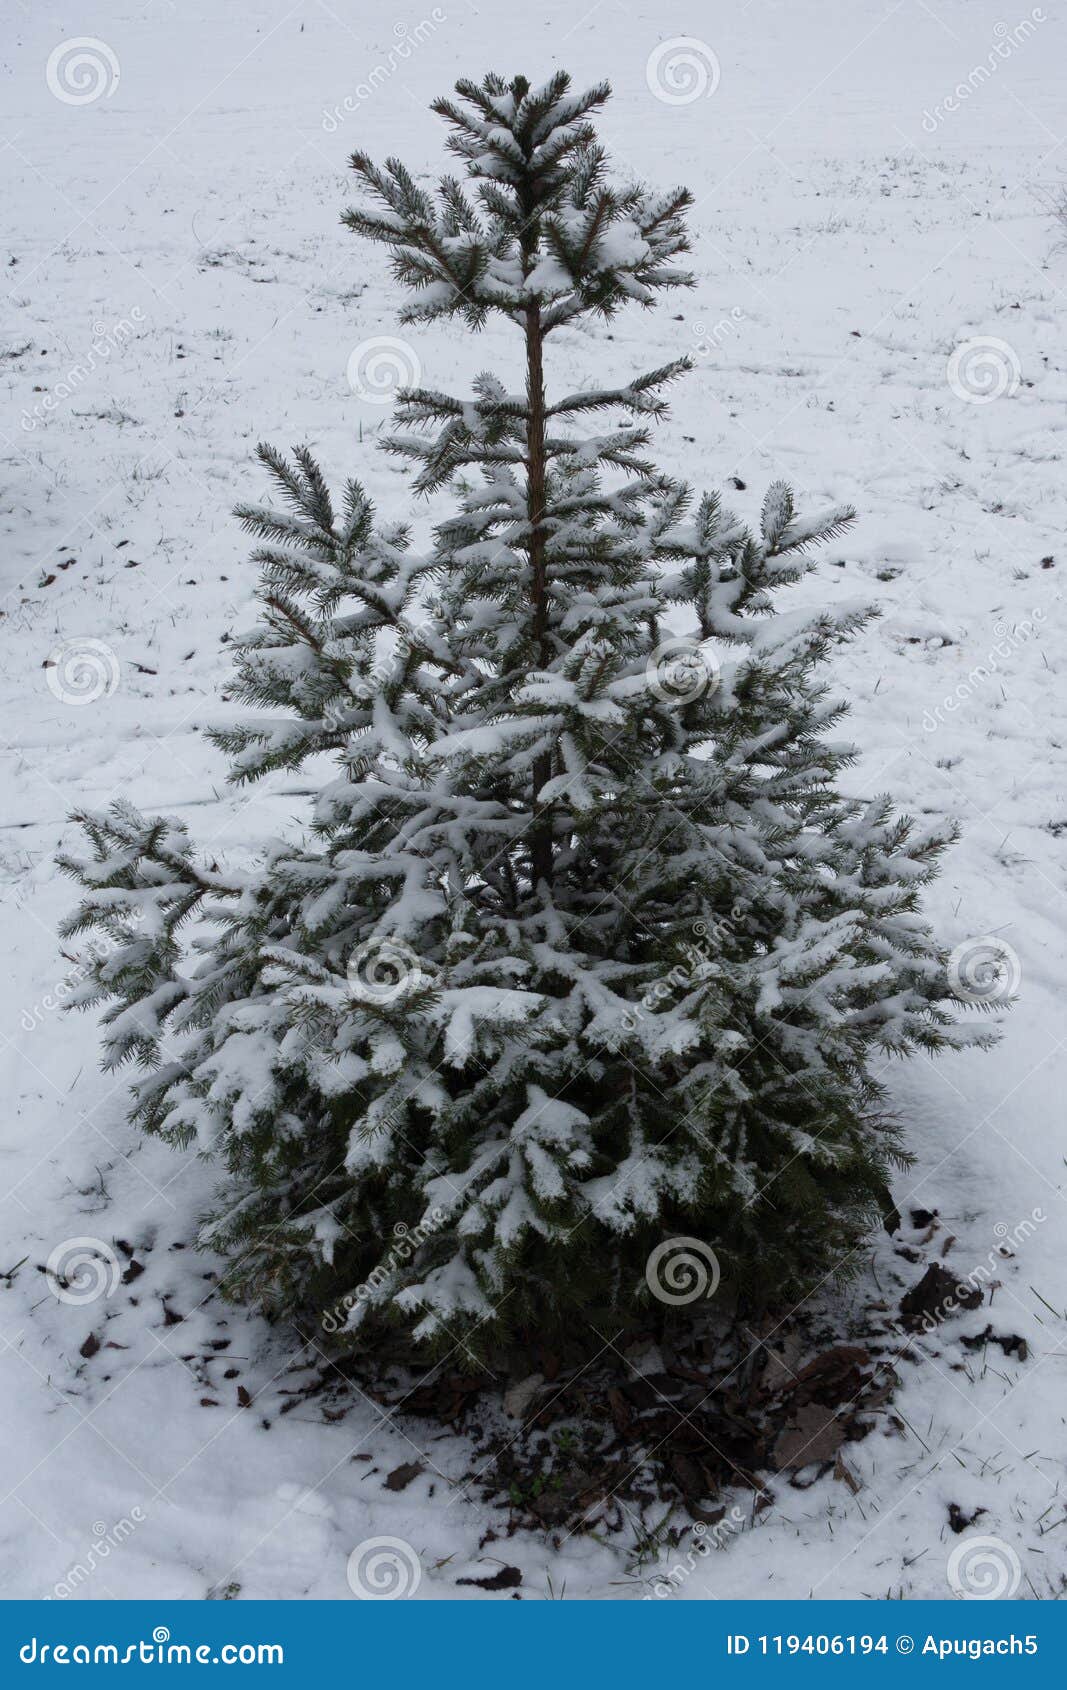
(586, 950)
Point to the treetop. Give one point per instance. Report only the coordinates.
(537, 227)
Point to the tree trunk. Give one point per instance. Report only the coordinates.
(541, 830)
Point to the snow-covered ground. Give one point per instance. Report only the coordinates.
(874, 186)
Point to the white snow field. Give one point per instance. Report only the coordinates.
(876, 183)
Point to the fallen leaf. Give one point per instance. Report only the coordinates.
(843, 1472)
(518, 1397)
(958, 1520)
(815, 1435)
(937, 1295)
(506, 1579)
(401, 1476)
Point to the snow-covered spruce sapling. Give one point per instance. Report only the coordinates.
(585, 950)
